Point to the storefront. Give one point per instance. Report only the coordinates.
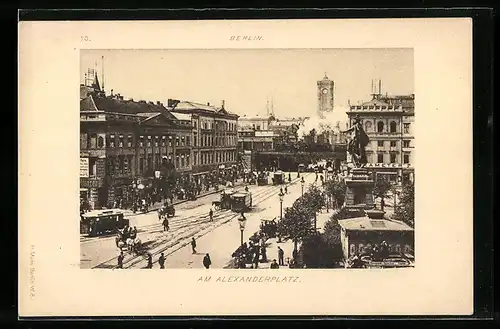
(96, 192)
(120, 191)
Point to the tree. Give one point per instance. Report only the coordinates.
(381, 189)
(337, 190)
(405, 210)
(296, 223)
(332, 229)
(314, 199)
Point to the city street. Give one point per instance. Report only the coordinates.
(219, 238)
(221, 242)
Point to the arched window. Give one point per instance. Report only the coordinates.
(368, 126)
(393, 126)
(100, 142)
(380, 126)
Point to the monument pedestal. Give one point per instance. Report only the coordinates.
(359, 193)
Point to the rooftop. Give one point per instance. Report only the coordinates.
(111, 104)
(182, 116)
(188, 106)
(368, 224)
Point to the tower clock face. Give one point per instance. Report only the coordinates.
(324, 91)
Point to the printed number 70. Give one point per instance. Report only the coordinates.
(85, 38)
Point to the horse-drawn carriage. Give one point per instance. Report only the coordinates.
(98, 222)
(166, 210)
(127, 239)
(269, 227)
(225, 200)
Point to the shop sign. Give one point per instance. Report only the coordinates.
(84, 167)
(90, 183)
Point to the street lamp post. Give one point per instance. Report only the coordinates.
(242, 221)
(281, 195)
(302, 182)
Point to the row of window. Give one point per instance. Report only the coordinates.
(208, 140)
(94, 141)
(393, 127)
(393, 158)
(406, 143)
(218, 125)
(218, 157)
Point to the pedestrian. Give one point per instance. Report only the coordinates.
(150, 261)
(289, 177)
(120, 259)
(207, 261)
(295, 254)
(193, 245)
(281, 190)
(256, 257)
(165, 225)
(286, 189)
(281, 255)
(264, 254)
(382, 204)
(274, 265)
(211, 215)
(161, 261)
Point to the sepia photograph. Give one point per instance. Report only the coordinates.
(205, 162)
(189, 159)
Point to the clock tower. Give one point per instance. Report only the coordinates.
(325, 96)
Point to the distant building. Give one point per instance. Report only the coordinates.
(325, 96)
(214, 136)
(258, 133)
(388, 122)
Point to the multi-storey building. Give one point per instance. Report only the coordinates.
(214, 136)
(254, 133)
(388, 122)
(127, 144)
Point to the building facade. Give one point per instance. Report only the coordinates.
(388, 122)
(214, 136)
(127, 147)
(325, 96)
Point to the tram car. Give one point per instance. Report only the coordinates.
(99, 222)
(241, 202)
(278, 178)
(262, 179)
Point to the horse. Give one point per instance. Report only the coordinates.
(133, 245)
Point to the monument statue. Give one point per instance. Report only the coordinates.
(357, 143)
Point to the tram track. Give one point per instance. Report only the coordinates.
(196, 225)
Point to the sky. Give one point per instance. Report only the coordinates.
(247, 78)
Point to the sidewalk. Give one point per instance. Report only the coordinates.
(272, 252)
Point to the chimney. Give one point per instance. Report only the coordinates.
(158, 103)
(111, 92)
(208, 103)
(223, 104)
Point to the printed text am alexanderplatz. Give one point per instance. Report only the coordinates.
(262, 279)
